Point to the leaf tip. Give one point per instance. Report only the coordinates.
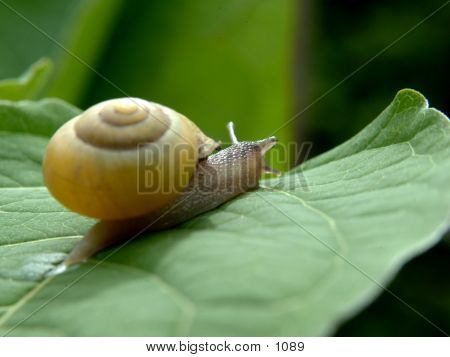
(408, 97)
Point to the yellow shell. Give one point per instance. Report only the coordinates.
(123, 158)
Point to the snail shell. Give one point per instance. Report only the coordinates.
(123, 158)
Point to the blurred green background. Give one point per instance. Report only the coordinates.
(259, 63)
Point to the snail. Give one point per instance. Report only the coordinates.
(139, 166)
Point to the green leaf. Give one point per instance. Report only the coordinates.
(29, 85)
(295, 257)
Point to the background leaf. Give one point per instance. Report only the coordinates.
(214, 61)
(32, 29)
(262, 264)
(29, 84)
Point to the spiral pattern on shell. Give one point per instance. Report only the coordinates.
(123, 158)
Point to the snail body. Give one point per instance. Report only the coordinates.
(213, 180)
